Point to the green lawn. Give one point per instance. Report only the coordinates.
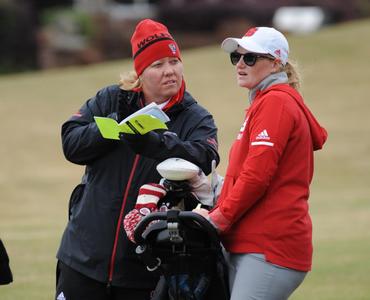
(36, 180)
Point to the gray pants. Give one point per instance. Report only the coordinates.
(252, 278)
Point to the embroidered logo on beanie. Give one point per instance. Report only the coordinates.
(151, 41)
(153, 37)
(173, 48)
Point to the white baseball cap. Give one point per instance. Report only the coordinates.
(263, 40)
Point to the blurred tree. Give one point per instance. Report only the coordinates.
(40, 5)
(67, 38)
(19, 21)
(363, 7)
(17, 36)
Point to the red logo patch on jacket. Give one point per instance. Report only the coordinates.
(77, 114)
(213, 142)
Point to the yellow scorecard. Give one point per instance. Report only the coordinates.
(141, 124)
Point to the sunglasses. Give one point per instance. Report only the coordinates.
(249, 58)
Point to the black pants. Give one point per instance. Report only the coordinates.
(72, 285)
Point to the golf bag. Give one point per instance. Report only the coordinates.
(184, 247)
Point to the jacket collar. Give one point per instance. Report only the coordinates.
(182, 105)
(134, 100)
(270, 80)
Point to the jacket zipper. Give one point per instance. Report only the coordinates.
(118, 228)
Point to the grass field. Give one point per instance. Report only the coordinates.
(36, 180)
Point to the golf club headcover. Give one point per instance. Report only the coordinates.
(149, 195)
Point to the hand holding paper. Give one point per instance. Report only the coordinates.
(148, 118)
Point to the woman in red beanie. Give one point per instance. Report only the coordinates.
(262, 213)
(95, 258)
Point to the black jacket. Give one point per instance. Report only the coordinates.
(6, 275)
(94, 242)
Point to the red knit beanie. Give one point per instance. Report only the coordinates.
(151, 41)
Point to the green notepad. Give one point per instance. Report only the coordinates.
(141, 124)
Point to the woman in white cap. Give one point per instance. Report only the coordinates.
(262, 212)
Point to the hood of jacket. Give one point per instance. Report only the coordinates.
(318, 133)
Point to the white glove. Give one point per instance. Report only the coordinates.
(201, 188)
(217, 182)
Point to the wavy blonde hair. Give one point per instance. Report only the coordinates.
(294, 77)
(130, 81)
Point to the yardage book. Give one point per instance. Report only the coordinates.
(148, 118)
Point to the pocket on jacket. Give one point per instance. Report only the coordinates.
(76, 196)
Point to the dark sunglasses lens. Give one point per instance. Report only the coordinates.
(235, 57)
(250, 59)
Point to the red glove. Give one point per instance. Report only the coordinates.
(149, 195)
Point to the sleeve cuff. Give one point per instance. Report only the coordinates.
(219, 220)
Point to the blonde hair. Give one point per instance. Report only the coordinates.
(130, 81)
(294, 77)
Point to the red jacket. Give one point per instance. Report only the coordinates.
(263, 205)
